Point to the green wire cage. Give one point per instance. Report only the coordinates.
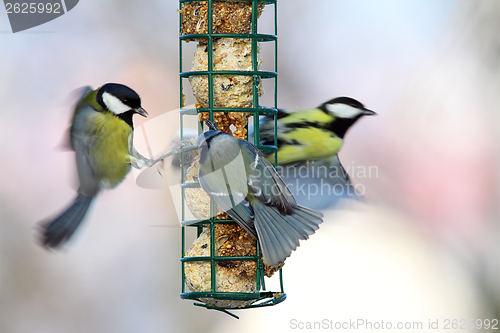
(209, 23)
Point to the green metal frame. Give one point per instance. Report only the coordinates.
(260, 298)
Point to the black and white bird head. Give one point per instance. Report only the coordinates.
(346, 112)
(120, 100)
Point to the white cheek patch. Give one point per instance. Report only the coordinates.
(114, 104)
(343, 110)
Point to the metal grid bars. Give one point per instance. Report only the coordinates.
(259, 298)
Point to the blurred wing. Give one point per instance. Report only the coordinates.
(264, 181)
(76, 96)
(80, 93)
(319, 184)
(82, 139)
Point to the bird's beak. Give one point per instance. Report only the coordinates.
(141, 111)
(367, 112)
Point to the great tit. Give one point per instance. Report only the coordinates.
(308, 142)
(238, 177)
(101, 135)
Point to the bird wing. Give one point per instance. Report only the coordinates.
(319, 184)
(80, 93)
(82, 139)
(265, 183)
(76, 97)
(234, 203)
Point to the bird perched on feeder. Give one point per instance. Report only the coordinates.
(238, 177)
(102, 137)
(308, 143)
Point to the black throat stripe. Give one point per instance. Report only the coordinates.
(127, 117)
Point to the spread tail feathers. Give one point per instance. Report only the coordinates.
(280, 234)
(60, 230)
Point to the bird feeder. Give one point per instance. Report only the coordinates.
(223, 269)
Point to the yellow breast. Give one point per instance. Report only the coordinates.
(110, 152)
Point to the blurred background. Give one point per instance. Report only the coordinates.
(425, 248)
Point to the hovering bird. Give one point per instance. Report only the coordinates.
(308, 143)
(101, 135)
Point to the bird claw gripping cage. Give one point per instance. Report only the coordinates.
(223, 268)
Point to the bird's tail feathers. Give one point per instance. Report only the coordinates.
(308, 219)
(57, 232)
(279, 234)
